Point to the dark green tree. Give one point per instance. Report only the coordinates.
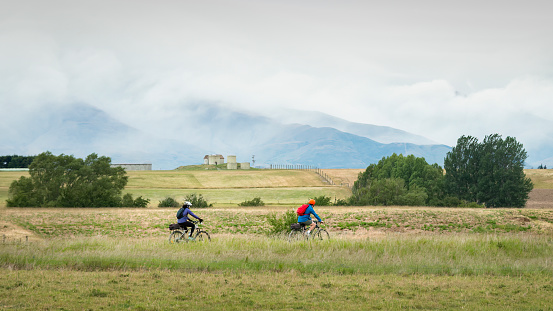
(399, 180)
(491, 172)
(66, 181)
(461, 165)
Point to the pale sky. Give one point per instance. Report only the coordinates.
(440, 69)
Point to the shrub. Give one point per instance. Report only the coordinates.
(128, 201)
(322, 200)
(168, 202)
(253, 202)
(341, 202)
(141, 202)
(281, 224)
(197, 200)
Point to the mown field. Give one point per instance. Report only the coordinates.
(378, 258)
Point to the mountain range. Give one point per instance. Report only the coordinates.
(195, 130)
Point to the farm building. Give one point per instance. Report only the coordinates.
(231, 162)
(214, 159)
(134, 167)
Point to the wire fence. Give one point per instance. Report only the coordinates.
(10, 240)
(315, 169)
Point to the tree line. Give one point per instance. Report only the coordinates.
(16, 161)
(66, 181)
(488, 173)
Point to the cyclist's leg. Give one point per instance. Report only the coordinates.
(188, 224)
(304, 224)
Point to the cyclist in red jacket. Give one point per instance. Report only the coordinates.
(305, 219)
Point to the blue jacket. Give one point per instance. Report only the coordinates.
(307, 215)
(185, 214)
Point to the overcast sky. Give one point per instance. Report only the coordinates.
(439, 68)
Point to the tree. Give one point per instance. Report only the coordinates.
(66, 181)
(399, 180)
(491, 172)
(15, 161)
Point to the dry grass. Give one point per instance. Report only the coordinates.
(343, 176)
(542, 179)
(223, 179)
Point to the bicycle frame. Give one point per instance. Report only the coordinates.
(317, 233)
(181, 234)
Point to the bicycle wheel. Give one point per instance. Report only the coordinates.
(295, 235)
(203, 237)
(175, 236)
(321, 234)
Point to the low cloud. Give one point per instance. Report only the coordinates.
(426, 68)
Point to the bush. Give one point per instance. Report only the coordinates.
(322, 200)
(141, 202)
(168, 202)
(128, 201)
(253, 202)
(342, 202)
(282, 224)
(197, 201)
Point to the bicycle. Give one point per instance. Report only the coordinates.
(179, 234)
(299, 233)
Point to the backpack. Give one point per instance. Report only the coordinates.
(301, 209)
(180, 212)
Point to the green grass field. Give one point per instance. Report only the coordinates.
(378, 258)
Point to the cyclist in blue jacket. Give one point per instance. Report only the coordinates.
(305, 219)
(184, 221)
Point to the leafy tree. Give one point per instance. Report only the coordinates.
(491, 172)
(66, 181)
(399, 180)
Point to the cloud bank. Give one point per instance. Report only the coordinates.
(433, 68)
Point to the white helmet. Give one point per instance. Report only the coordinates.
(188, 204)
